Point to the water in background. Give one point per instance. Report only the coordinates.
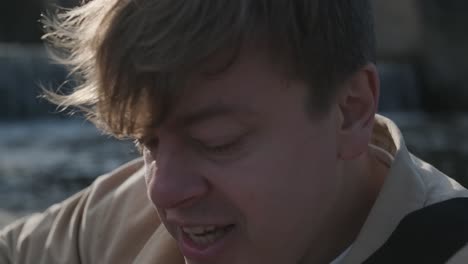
(43, 162)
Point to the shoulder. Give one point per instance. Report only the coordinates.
(461, 257)
(93, 226)
(433, 234)
(118, 210)
(437, 186)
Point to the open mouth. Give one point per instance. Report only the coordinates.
(204, 236)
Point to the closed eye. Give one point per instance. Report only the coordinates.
(218, 149)
(221, 148)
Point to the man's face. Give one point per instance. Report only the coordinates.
(240, 173)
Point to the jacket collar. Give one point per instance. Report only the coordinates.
(402, 192)
(160, 248)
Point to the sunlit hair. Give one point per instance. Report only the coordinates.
(132, 58)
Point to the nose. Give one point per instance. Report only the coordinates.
(172, 181)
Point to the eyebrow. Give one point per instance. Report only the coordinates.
(211, 112)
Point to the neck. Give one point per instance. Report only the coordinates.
(361, 181)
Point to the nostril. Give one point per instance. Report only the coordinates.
(174, 200)
(176, 190)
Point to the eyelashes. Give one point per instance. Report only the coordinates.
(224, 148)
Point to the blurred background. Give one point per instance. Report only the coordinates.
(46, 156)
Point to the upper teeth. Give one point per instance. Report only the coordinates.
(204, 235)
(198, 229)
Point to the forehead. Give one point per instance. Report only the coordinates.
(249, 82)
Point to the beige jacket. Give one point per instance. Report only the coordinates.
(113, 221)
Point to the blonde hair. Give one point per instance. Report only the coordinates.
(132, 57)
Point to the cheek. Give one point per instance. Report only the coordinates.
(289, 186)
(150, 168)
(150, 172)
(287, 172)
(280, 190)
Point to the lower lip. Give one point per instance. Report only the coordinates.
(203, 253)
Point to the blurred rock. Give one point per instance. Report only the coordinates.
(400, 88)
(398, 29)
(430, 34)
(23, 69)
(19, 21)
(445, 53)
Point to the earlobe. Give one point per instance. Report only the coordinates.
(357, 105)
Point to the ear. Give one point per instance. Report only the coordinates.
(357, 103)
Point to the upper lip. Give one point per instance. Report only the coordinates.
(191, 222)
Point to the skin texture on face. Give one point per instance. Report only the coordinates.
(239, 149)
